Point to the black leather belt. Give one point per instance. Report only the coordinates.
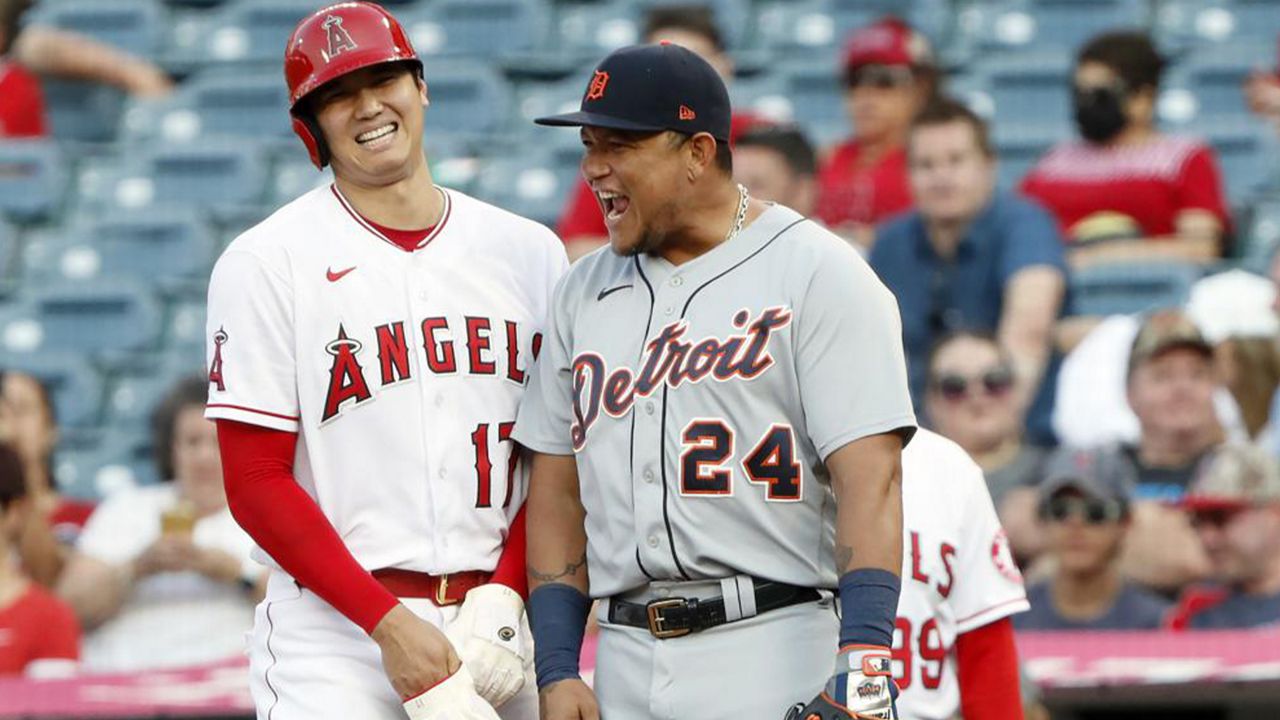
(672, 617)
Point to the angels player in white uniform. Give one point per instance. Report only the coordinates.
(369, 344)
(953, 650)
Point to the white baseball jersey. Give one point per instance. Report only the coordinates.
(401, 371)
(957, 573)
(701, 401)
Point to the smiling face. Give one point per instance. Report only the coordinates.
(638, 180)
(372, 122)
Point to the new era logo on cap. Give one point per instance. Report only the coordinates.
(687, 113)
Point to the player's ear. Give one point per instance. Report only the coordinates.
(422, 91)
(701, 149)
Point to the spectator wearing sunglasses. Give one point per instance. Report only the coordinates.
(971, 258)
(1085, 504)
(1235, 508)
(889, 74)
(1124, 191)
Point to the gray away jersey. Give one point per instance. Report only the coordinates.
(701, 401)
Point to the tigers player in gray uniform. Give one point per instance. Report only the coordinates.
(717, 421)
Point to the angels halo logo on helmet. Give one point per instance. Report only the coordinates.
(335, 41)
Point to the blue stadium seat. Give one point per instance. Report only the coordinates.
(764, 94)
(294, 177)
(1126, 288)
(133, 25)
(218, 102)
(92, 318)
(83, 111)
(815, 90)
(75, 386)
(1262, 237)
(478, 28)
(241, 30)
(8, 250)
(1061, 24)
(1182, 24)
(788, 28)
(466, 97)
(32, 179)
(1019, 147)
(589, 31)
(1213, 76)
(208, 174)
(533, 185)
(1028, 87)
(535, 99)
(1247, 155)
(732, 17)
(105, 464)
(159, 245)
(185, 326)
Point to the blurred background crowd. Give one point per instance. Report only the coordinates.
(1076, 202)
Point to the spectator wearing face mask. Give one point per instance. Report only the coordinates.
(1125, 191)
(1085, 507)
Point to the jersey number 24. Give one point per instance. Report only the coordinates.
(708, 450)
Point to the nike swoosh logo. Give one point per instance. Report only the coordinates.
(606, 293)
(336, 276)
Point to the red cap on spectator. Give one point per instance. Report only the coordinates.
(890, 41)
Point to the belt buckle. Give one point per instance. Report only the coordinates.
(442, 591)
(657, 622)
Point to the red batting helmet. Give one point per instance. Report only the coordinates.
(330, 43)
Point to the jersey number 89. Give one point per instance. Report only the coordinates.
(709, 446)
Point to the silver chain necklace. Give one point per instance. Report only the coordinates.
(742, 213)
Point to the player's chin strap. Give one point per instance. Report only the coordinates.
(862, 687)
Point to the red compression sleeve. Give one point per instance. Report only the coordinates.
(511, 566)
(987, 667)
(257, 468)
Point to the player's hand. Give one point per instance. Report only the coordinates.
(453, 699)
(169, 553)
(415, 654)
(569, 699)
(862, 687)
(492, 638)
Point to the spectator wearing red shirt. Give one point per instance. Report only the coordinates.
(29, 425)
(889, 76)
(38, 632)
(693, 27)
(1124, 191)
(21, 104)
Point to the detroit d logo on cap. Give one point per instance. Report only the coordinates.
(595, 90)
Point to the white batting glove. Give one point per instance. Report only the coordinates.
(454, 698)
(490, 637)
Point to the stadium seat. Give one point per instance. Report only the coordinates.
(83, 111)
(1213, 77)
(1064, 25)
(207, 174)
(218, 102)
(477, 28)
(32, 179)
(467, 97)
(293, 177)
(8, 252)
(1032, 87)
(104, 464)
(1262, 238)
(159, 245)
(1019, 147)
(75, 386)
(185, 326)
(1246, 153)
(97, 319)
(806, 27)
(239, 31)
(589, 31)
(733, 17)
(1126, 288)
(532, 184)
(815, 90)
(136, 26)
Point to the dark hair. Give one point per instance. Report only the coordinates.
(983, 336)
(192, 390)
(943, 110)
(13, 486)
(10, 13)
(46, 402)
(1131, 55)
(695, 18)
(788, 141)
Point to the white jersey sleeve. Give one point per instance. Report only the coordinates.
(545, 415)
(989, 586)
(849, 356)
(251, 348)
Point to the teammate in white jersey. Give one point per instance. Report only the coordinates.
(369, 344)
(717, 418)
(953, 647)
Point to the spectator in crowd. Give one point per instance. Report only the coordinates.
(42, 51)
(162, 575)
(29, 425)
(693, 27)
(970, 401)
(1124, 191)
(38, 632)
(971, 258)
(1262, 93)
(1085, 503)
(889, 75)
(776, 163)
(1235, 506)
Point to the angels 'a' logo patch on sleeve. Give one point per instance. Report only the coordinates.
(1002, 557)
(215, 367)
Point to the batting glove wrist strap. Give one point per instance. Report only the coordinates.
(558, 618)
(862, 687)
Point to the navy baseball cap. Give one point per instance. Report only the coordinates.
(650, 88)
